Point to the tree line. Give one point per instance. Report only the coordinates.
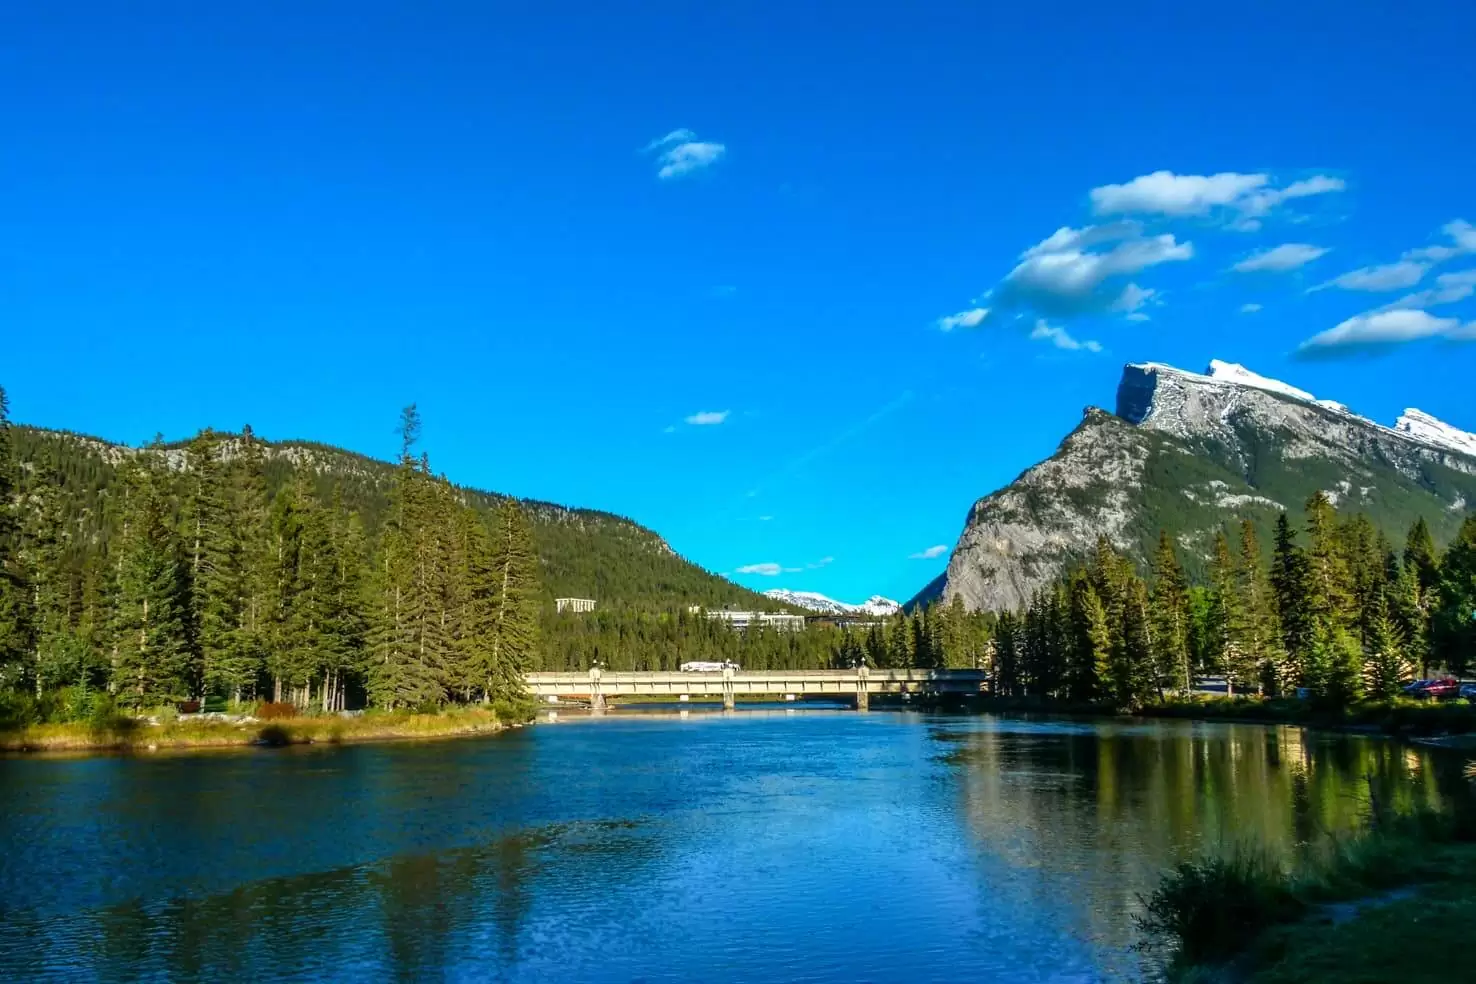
(1335, 610)
(196, 583)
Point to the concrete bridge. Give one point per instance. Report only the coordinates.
(596, 685)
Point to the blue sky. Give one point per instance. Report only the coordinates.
(725, 270)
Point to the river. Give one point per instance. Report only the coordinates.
(762, 845)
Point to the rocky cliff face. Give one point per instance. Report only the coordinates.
(1187, 453)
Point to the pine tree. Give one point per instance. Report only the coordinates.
(1420, 554)
(151, 618)
(16, 617)
(213, 542)
(1385, 668)
(1257, 634)
(1006, 669)
(1091, 644)
(1227, 651)
(1289, 589)
(1453, 625)
(1170, 617)
(247, 573)
(516, 591)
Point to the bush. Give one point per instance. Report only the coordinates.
(276, 710)
(18, 710)
(274, 734)
(1209, 908)
(106, 722)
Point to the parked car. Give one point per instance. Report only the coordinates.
(1468, 691)
(1441, 689)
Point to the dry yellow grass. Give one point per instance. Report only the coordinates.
(140, 736)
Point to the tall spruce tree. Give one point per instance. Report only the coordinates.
(1289, 575)
(1453, 626)
(151, 630)
(16, 617)
(1258, 636)
(515, 602)
(1170, 611)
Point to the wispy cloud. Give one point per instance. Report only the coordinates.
(1279, 259)
(1380, 330)
(972, 318)
(1449, 288)
(708, 418)
(937, 550)
(1246, 197)
(1411, 266)
(680, 153)
(766, 569)
(1061, 338)
(1385, 276)
(1250, 307)
(1133, 299)
(822, 562)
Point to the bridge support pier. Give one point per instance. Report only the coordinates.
(863, 694)
(596, 692)
(730, 701)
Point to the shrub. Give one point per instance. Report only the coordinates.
(1209, 908)
(276, 710)
(18, 710)
(188, 707)
(274, 734)
(106, 722)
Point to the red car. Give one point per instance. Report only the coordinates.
(1443, 689)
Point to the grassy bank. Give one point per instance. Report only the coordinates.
(1402, 716)
(123, 733)
(1381, 906)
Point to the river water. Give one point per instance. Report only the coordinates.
(762, 845)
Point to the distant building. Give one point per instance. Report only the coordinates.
(844, 621)
(576, 605)
(742, 620)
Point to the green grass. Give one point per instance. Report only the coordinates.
(1379, 906)
(121, 733)
(1401, 716)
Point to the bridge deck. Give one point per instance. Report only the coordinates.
(760, 682)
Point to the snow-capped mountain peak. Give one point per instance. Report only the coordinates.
(1429, 430)
(1231, 372)
(815, 602)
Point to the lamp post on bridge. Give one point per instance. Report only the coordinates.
(863, 695)
(596, 693)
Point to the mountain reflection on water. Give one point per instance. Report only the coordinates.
(776, 845)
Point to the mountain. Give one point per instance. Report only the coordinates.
(875, 605)
(1190, 453)
(583, 553)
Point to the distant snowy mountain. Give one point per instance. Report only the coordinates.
(1424, 428)
(1186, 453)
(875, 605)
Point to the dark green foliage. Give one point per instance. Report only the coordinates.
(1206, 909)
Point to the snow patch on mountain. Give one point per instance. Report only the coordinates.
(1422, 427)
(816, 602)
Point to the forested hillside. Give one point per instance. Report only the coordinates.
(582, 553)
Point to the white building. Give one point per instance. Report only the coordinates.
(576, 605)
(742, 620)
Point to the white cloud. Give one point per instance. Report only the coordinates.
(937, 550)
(1249, 196)
(1381, 329)
(766, 570)
(822, 562)
(1386, 276)
(971, 318)
(1066, 238)
(1061, 339)
(765, 519)
(1463, 241)
(1449, 288)
(679, 135)
(682, 153)
(1167, 193)
(1133, 299)
(708, 418)
(1260, 202)
(1068, 281)
(1250, 307)
(1287, 256)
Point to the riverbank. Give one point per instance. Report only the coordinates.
(1379, 907)
(1446, 722)
(134, 735)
